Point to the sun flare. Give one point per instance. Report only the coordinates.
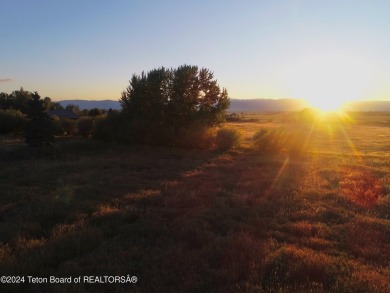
(329, 79)
(326, 105)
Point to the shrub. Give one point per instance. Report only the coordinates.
(152, 132)
(197, 135)
(39, 132)
(233, 117)
(116, 127)
(308, 115)
(94, 112)
(274, 140)
(101, 132)
(11, 121)
(102, 129)
(269, 139)
(295, 141)
(57, 125)
(112, 128)
(228, 138)
(69, 126)
(85, 126)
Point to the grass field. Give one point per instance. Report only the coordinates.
(202, 220)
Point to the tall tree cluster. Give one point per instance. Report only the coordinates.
(164, 101)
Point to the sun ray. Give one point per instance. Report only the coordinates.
(351, 145)
(309, 136)
(280, 172)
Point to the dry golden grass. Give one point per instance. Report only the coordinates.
(204, 220)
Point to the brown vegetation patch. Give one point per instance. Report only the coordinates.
(292, 265)
(368, 241)
(368, 279)
(360, 186)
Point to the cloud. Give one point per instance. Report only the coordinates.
(5, 80)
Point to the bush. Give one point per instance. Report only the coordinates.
(308, 115)
(116, 127)
(85, 126)
(295, 141)
(113, 127)
(274, 140)
(197, 135)
(102, 129)
(152, 132)
(228, 138)
(233, 117)
(269, 139)
(69, 126)
(57, 125)
(39, 132)
(11, 121)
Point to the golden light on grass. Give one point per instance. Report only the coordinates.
(308, 216)
(280, 172)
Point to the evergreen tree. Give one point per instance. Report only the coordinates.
(39, 130)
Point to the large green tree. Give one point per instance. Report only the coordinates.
(173, 99)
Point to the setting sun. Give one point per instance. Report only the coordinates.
(326, 105)
(328, 79)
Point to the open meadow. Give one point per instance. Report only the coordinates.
(203, 220)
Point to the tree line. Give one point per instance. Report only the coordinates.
(18, 100)
(164, 106)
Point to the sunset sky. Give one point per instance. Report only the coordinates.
(316, 50)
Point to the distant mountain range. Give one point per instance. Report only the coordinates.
(246, 105)
(368, 106)
(266, 105)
